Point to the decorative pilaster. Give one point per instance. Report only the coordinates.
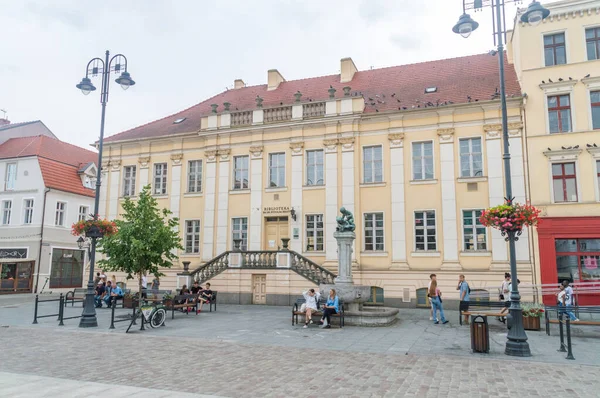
(331, 198)
(493, 145)
(398, 201)
(449, 223)
(517, 171)
(223, 200)
(209, 204)
(103, 190)
(297, 149)
(114, 194)
(175, 190)
(348, 166)
(256, 186)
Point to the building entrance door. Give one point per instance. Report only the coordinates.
(275, 229)
(259, 289)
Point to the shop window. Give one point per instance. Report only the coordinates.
(578, 260)
(376, 296)
(67, 268)
(16, 277)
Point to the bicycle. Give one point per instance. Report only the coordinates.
(154, 315)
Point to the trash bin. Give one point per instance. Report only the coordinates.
(480, 335)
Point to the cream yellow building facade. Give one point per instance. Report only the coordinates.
(558, 66)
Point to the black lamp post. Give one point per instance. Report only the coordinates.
(103, 67)
(516, 344)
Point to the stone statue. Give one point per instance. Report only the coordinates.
(345, 222)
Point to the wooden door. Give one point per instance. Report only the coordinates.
(259, 289)
(276, 228)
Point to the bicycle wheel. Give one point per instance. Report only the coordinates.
(158, 318)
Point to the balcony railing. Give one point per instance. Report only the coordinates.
(241, 118)
(278, 114)
(315, 109)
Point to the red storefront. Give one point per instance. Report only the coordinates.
(570, 250)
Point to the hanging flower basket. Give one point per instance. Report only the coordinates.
(510, 217)
(94, 228)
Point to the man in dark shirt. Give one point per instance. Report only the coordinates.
(100, 290)
(207, 293)
(196, 288)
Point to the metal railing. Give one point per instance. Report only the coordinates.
(38, 301)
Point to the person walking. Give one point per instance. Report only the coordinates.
(504, 296)
(432, 277)
(464, 291)
(331, 307)
(312, 298)
(568, 301)
(435, 296)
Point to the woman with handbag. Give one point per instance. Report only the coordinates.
(435, 296)
(310, 306)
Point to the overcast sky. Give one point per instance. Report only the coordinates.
(181, 52)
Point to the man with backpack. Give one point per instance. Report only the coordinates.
(464, 291)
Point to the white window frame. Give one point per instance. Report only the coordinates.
(241, 170)
(243, 246)
(374, 250)
(364, 179)
(314, 234)
(83, 212)
(10, 179)
(425, 250)
(194, 236)
(470, 153)
(62, 212)
(164, 177)
(196, 178)
(280, 184)
(7, 211)
(316, 165)
(474, 228)
(29, 210)
(412, 155)
(129, 182)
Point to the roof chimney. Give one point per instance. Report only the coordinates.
(4, 122)
(238, 83)
(274, 78)
(348, 70)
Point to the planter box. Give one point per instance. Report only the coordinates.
(128, 302)
(531, 323)
(168, 303)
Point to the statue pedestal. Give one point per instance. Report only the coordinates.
(344, 241)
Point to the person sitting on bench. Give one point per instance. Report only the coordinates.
(205, 296)
(312, 299)
(330, 308)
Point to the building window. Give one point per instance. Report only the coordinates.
(422, 160)
(277, 170)
(240, 172)
(373, 164)
(239, 230)
(88, 182)
(194, 176)
(425, 231)
(67, 268)
(314, 232)
(27, 211)
(578, 260)
(474, 233)
(595, 101)
(554, 49)
(471, 158)
(192, 236)
(374, 232)
(129, 181)
(314, 167)
(11, 176)
(376, 296)
(59, 218)
(160, 179)
(83, 213)
(564, 182)
(559, 113)
(6, 211)
(592, 42)
(598, 176)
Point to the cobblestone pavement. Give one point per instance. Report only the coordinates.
(253, 351)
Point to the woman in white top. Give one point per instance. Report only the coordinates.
(312, 298)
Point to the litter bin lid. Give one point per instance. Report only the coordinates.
(478, 319)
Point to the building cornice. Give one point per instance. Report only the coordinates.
(563, 154)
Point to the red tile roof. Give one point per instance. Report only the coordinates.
(456, 79)
(59, 161)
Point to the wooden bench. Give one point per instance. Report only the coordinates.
(577, 309)
(484, 308)
(184, 303)
(212, 302)
(76, 294)
(322, 301)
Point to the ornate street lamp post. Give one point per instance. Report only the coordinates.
(103, 67)
(516, 344)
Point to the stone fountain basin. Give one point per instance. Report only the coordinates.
(371, 316)
(348, 293)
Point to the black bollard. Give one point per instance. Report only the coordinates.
(35, 310)
(61, 310)
(570, 352)
(562, 336)
(112, 317)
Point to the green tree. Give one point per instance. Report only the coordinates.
(145, 242)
